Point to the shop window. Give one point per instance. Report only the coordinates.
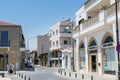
(82, 57)
(109, 57)
(109, 61)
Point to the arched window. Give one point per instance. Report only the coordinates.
(82, 46)
(92, 46)
(109, 39)
(109, 56)
(93, 43)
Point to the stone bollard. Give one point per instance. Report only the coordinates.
(29, 78)
(24, 77)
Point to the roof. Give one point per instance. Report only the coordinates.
(7, 23)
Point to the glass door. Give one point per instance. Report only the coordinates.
(93, 63)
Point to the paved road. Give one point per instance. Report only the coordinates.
(9, 76)
(42, 73)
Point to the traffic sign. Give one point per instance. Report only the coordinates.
(118, 48)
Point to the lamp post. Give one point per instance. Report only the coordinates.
(117, 35)
(28, 46)
(73, 46)
(29, 40)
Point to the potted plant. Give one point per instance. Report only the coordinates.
(104, 7)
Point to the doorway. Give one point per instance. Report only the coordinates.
(93, 63)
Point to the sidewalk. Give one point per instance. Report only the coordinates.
(12, 77)
(85, 76)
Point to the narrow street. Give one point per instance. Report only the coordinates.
(44, 73)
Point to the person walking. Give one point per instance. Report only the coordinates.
(14, 68)
(8, 68)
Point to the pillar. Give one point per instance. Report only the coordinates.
(86, 54)
(115, 41)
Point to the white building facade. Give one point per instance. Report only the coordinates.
(96, 42)
(61, 37)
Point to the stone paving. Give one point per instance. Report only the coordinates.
(9, 76)
(42, 73)
(12, 77)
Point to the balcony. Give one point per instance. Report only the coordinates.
(91, 21)
(54, 47)
(111, 9)
(58, 47)
(89, 3)
(63, 34)
(76, 29)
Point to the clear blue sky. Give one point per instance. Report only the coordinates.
(36, 16)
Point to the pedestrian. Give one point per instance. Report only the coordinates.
(11, 71)
(14, 68)
(8, 68)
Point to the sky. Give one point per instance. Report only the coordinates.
(37, 16)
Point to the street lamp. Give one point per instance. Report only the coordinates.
(28, 47)
(29, 40)
(117, 35)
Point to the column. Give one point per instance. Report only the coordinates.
(69, 62)
(63, 60)
(77, 55)
(86, 54)
(100, 58)
(115, 41)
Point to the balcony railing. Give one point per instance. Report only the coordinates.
(111, 9)
(91, 21)
(76, 29)
(89, 2)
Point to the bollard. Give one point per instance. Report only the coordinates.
(70, 74)
(2, 74)
(29, 78)
(21, 76)
(65, 73)
(75, 75)
(82, 76)
(61, 72)
(91, 77)
(25, 78)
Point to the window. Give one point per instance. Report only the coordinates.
(56, 32)
(109, 61)
(56, 42)
(82, 57)
(53, 33)
(92, 45)
(65, 31)
(65, 41)
(108, 39)
(109, 57)
(4, 39)
(53, 43)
